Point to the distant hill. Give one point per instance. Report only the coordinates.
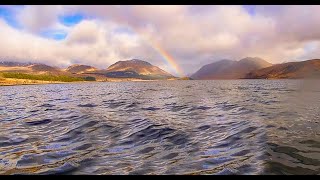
(247, 68)
(130, 69)
(136, 69)
(43, 68)
(14, 64)
(79, 69)
(229, 69)
(30, 68)
(291, 70)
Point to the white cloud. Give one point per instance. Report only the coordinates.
(101, 50)
(39, 18)
(193, 35)
(86, 32)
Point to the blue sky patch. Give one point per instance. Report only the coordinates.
(9, 16)
(251, 9)
(71, 20)
(54, 34)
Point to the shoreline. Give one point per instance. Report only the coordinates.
(22, 82)
(18, 82)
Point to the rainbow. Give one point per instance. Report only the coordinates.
(169, 59)
(166, 56)
(156, 46)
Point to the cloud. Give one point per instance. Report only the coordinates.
(86, 32)
(101, 50)
(192, 35)
(38, 18)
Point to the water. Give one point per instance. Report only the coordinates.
(164, 127)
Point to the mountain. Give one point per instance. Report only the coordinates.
(14, 64)
(229, 69)
(291, 70)
(29, 68)
(43, 68)
(136, 69)
(80, 69)
(123, 70)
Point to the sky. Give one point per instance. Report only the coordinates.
(178, 39)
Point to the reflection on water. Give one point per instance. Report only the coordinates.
(164, 127)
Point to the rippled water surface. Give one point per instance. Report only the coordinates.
(164, 127)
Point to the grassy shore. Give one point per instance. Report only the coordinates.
(41, 77)
(12, 78)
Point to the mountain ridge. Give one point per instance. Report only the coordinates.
(245, 68)
(138, 66)
(132, 69)
(290, 70)
(230, 69)
(80, 68)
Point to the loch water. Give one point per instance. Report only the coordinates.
(161, 127)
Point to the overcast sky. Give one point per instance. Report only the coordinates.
(191, 35)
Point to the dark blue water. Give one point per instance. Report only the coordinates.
(164, 127)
